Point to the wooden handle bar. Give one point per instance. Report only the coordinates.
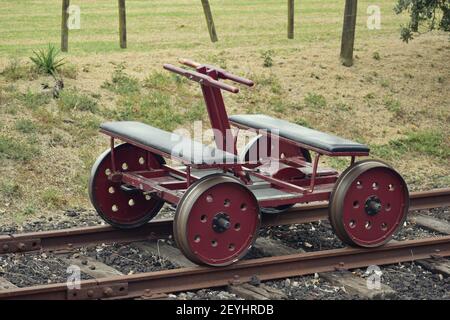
(201, 78)
(222, 73)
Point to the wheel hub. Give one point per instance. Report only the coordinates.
(373, 205)
(221, 222)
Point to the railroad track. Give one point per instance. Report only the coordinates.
(191, 278)
(161, 229)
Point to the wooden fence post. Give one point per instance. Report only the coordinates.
(64, 26)
(122, 24)
(348, 32)
(209, 20)
(290, 19)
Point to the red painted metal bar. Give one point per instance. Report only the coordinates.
(188, 176)
(314, 173)
(113, 159)
(144, 184)
(221, 73)
(201, 78)
(283, 184)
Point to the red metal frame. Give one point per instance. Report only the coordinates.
(169, 183)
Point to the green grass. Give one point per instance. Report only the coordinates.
(315, 101)
(33, 100)
(16, 150)
(121, 83)
(394, 106)
(16, 70)
(10, 189)
(25, 126)
(154, 108)
(71, 100)
(157, 25)
(52, 198)
(428, 143)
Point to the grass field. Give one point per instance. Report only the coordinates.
(395, 98)
(175, 24)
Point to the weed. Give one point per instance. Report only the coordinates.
(25, 126)
(376, 55)
(47, 61)
(315, 101)
(267, 57)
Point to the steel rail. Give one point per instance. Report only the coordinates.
(194, 278)
(160, 229)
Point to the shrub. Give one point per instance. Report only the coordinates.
(47, 60)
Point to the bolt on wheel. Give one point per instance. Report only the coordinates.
(119, 206)
(216, 221)
(368, 204)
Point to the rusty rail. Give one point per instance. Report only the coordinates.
(184, 279)
(159, 229)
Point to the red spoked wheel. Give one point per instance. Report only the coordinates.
(369, 204)
(123, 207)
(258, 150)
(216, 221)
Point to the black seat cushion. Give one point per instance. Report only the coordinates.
(297, 133)
(169, 143)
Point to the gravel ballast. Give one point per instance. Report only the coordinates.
(409, 280)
